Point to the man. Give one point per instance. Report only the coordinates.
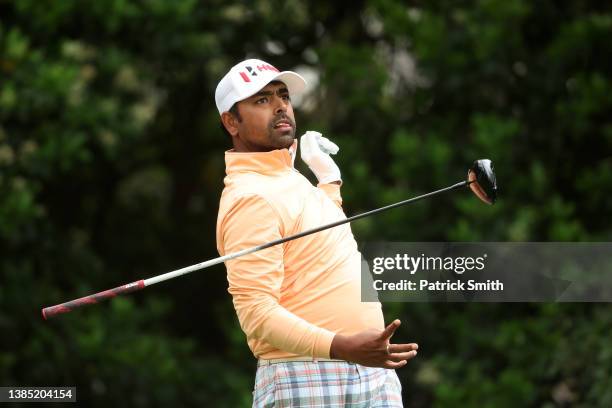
(298, 303)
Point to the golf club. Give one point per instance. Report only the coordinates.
(481, 180)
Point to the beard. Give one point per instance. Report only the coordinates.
(282, 137)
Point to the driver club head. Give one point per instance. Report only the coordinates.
(481, 179)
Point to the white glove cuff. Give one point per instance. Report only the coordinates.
(330, 177)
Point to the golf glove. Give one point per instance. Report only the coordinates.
(315, 153)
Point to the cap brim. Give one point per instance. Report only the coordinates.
(294, 81)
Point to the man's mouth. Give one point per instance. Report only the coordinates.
(283, 124)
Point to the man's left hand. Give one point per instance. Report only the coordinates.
(315, 152)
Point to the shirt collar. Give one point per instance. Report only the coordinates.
(260, 162)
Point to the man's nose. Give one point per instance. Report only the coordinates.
(280, 105)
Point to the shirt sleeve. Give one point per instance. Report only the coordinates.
(255, 281)
(333, 192)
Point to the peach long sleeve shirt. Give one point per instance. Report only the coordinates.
(291, 299)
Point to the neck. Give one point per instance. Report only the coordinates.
(240, 146)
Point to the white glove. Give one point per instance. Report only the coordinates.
(315, 153)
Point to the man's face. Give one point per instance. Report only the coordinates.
(267, 122)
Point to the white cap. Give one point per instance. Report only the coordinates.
(249, 77)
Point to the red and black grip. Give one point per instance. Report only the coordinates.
(52, 311)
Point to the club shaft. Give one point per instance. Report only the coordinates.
(52, 311)
(215, 261)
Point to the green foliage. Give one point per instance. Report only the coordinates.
(111, 167)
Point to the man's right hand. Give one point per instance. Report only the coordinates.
(372, 348)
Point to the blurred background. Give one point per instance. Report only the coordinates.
(111, 168)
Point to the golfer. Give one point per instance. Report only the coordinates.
(298, 303)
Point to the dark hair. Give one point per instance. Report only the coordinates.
(234, 111)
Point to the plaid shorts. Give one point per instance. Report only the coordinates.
(325, 384)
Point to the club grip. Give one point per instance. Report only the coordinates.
(52, 311)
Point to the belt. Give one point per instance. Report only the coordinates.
(264, 362)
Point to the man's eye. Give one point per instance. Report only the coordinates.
(262, 100)
(286, 97)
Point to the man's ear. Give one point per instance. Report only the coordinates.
(230, 122)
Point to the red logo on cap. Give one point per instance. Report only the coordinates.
(253, 73)
(267, 67)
